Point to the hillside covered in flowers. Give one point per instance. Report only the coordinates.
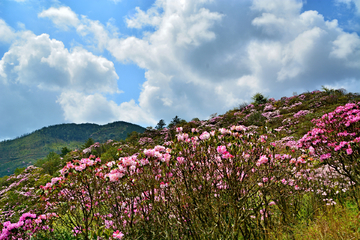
(272, 169)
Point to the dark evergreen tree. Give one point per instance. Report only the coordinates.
(259, 99)
(176, 120)
(88, 143)
(161, 124)
(64, 151)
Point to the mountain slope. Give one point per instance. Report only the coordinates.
(27, 149)
(254, 148)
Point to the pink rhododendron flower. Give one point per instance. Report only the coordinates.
(149, 152)
(159, 148)
(325, 156)
(272, 203)
(349, 151)
(221, 149)
(166, 157)
(180, 160)
(311, 151)
(292, 161)
(263, 159)
(205, 135)
(227, 155)
(240, 128)
(182, 137)
(224, 131)
(263, 138)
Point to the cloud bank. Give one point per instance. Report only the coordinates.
(200, 57)
(208, 56)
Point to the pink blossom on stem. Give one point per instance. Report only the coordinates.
(263, 159)
(205, 135)
(221, 149)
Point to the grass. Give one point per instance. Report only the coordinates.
(201, 214)
(332, 222)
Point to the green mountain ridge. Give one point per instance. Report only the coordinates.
(273, 128)
(25, 150)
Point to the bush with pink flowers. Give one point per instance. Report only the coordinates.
(218, 179)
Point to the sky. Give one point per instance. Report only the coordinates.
(139, 61)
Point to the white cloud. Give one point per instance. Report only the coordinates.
(6, 33)
(79, 107)
(95, 32)
(36, 70)
(63, 17)
(202, 57)
(281, 8)
(46, 63)
(346, 45)
(151, 17)
(199, 61)
(349, 2)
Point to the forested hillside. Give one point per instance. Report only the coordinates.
(27, 149)
(271, 169)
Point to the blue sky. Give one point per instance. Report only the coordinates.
(141, 61)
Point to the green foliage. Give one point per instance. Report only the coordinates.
(195, 120)
(295, 215)
(256, 119)
(88, 143)
(3, 181)
(44, 178)
(133, 137)
(64, 151)
(50, 164)
(19, 170)
(110, 155)
(23, 151)
(259, 99)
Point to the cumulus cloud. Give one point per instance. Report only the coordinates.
(79, 107)
(63, 17)
(199, 61)
(46, 63)
(36, 70)
(347, 47)
(151, 17)
(6, 33)
(95, 32)
(200, 58)
(172, 86)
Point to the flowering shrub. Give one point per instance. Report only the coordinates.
(180, 189)
(335, 140)
(205, 180)
(301, 113)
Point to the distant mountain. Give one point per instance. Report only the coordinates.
(28, 148)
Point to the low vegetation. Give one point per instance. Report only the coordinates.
(25, 150)
(272, 169)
